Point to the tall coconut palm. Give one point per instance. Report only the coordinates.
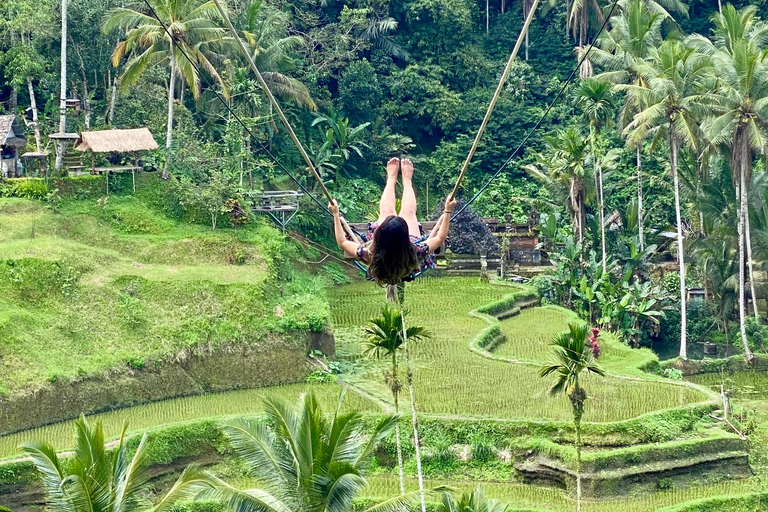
(304, 460)
(598, 106)
(619, 53)
(194, 31)
(676, 76)
(95, 480)
(571, 357)
(562, 169)
(740, 58)
(385, 340)
(474, 501)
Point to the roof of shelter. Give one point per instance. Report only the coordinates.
(116, 141)
(11, 133)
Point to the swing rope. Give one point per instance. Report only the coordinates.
(273, 101)
(543, 116)
(231, 111)
(495, 98)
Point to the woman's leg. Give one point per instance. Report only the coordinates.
(388, 202)
(408, 202)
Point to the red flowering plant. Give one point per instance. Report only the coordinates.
(595, 345)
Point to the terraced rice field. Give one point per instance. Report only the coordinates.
(452, 380)
(521, 496)
(166, 412)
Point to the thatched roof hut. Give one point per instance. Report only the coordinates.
(11, 133)
(116, 141)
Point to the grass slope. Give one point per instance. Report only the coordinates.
(96, 285)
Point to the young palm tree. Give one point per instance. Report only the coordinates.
(385, 340)
(474, 501)
(562, 169)
(93, 480)
(598, 106)
(572, 356)
(741, 103)
(620, 52)
(676, 76)
(194, 30)
(304, 460)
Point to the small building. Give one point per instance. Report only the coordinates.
(129, 142)
(12, 138)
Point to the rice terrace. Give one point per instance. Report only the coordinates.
(383, 256)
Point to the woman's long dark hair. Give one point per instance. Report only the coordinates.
(393, 255)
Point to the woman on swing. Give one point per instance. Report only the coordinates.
(395, 247)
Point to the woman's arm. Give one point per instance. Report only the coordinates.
(437, 241)
(348, 246)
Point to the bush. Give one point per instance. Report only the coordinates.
(27, 188)
(481, 447)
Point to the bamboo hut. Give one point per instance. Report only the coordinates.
(130, 142)
(12, 138)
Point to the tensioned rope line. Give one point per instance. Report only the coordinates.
(273, 101)
(543, 116)
(495, 98)
(232, 112)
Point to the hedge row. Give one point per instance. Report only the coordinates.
(608, 460)
(730, 364)
(733, 503)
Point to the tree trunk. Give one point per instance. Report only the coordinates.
(13, 101)
(748, 239)
(112, 100)
(61, 146)
(600, 198)
(742, 196)
(169, 130)
(673, 149)
(395, 391)
(35, 120)
(414, 419)
(577, 424)
(640, 199)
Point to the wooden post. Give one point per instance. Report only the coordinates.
(93, 163)
(106, 176)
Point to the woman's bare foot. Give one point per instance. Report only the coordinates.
(407, 167)
(393, 166)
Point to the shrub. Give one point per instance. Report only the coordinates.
(481, 447)
(27, 188)
(441, 447)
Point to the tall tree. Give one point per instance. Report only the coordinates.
(598, 107)
(620, 52)
(571, 357)
(740, 58)
(194, 32)
(304, 460)
(61, 145)
(675, 76)
(385, 340)
(562, 169)
(95, 480)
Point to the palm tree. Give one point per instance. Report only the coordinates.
(94, 479)
(675, 77)
(583, 14)
(572, 356)
(474, 501)
(562, 169)
(194, 32)
(305, 460)
(385, 339)
(741, 103)
(597, 104)
(271, 48)
(620, 52)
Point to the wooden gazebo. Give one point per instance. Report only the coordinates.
(12, 138)
(116, 141)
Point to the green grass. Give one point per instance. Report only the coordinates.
(177, 410)
(122, 282)
(743, 385)
(452, 380)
